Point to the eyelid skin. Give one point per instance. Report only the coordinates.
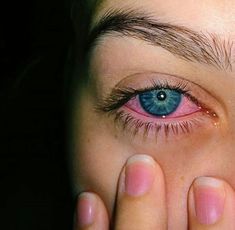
(135, 123)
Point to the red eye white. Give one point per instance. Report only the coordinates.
(185, 108)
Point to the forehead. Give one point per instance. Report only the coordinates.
(214, 16)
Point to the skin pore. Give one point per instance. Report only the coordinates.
(101, 145)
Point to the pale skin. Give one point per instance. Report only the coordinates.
(176, 166)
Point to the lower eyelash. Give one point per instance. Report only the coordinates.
(135, 126)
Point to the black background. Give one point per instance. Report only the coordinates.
(34, 39)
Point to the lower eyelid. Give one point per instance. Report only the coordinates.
(163, 129)
(188, 117)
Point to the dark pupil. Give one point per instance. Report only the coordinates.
(161, 96)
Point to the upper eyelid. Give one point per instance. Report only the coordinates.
(205, 96)
(120, 96)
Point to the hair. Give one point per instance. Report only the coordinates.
(81, 13)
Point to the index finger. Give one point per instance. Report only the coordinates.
(141, 195)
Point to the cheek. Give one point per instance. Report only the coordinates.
(98, 161)
(99, 156)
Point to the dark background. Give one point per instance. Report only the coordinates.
(34, 40)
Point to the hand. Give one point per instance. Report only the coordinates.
(141, 202)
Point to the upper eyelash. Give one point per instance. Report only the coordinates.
(120, 96)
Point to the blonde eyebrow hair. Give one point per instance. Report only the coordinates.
(181, 41)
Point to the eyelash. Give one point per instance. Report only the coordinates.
(120, 96)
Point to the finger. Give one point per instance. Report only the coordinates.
(141, 196)
(90, 213)
(211, 205)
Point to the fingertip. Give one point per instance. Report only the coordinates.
(90, 212)
(211, 204)
(85, 210)
(141, 195)
(209, 198)
(140, 172)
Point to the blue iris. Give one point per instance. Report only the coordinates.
(161, 102)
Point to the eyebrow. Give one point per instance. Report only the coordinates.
(189, 45)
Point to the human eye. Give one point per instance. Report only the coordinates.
(164, 106)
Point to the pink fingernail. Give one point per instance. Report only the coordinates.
(86, 209)
(209, 196)
(139, 175)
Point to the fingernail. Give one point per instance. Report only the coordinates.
(139, 175)
(209, 196)
(86, 209)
